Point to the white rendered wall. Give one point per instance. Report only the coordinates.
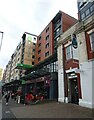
(82, 50)
(87, 76)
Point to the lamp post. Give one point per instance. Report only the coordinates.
(1, 39)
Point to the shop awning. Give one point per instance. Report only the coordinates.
(35, 74)
(12, 83)
(23, 66)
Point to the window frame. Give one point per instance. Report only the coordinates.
(47, 45)
(69, 54)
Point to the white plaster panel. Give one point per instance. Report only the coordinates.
(60, 86)
(60, 57)
(82, 51)
(86, 84)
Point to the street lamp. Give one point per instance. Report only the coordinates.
(1, 39)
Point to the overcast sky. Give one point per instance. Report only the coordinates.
(19, 16)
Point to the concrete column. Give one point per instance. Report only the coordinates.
(60, 75)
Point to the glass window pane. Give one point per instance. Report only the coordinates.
(69, 52)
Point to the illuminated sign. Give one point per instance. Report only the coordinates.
(31, 38)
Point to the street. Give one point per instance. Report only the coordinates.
(51, 109)
(0, 110)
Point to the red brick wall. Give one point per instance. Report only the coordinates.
(67, 21)
(71, 63)
(43, 42)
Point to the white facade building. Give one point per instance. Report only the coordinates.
(85, 38)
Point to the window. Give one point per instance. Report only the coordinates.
(92, 8)
(57, 38)
(33, 56)
(39, 44)
(92, 41)
(69, 52)
(47, 54)
(39, 37)
(87, 12)
(18, 59)
(34, 38)
(38, 59)
(47, 45)
(83, 16)
(33, 50)
(47, 37)
(57, 29)
(47, 29)
(32, 63)
(34, 43)
(39, 51)
(82, 4)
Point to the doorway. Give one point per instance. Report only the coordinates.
(73, 91)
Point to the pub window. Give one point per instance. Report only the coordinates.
(69, 52)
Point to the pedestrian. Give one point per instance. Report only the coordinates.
(7, 96)
(2, 93)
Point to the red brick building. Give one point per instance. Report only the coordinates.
(47, 40)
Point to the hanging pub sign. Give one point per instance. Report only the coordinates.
(74, 41)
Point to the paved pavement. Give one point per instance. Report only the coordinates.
(0, 110)
(0, 105)
(6, 109)
(45, 110)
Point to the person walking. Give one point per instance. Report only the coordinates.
(7, 96)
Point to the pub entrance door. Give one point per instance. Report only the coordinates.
(73, 91)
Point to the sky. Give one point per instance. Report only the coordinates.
(19, 16)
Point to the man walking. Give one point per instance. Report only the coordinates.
(7, 96)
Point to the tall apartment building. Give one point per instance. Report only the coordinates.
(47, 40)
(4, 76)
(1, 72)
(23, 57)
(28, 48)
